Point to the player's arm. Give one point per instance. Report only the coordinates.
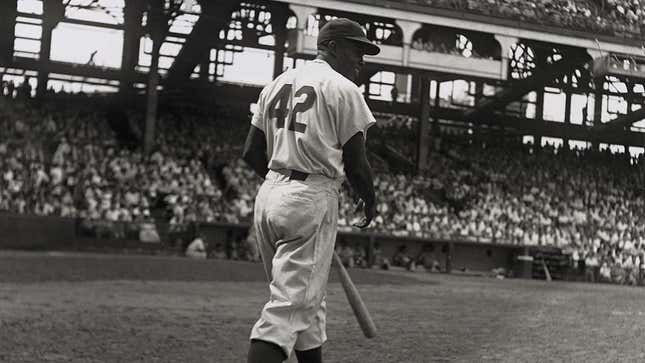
(359, 174)
(255, 151)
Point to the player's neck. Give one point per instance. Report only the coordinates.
(330, 59)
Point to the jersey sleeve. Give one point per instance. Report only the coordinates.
(258, 116)
(352, 114)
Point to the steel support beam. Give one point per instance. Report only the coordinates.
(518, 89)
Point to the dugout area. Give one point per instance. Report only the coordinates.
(36, 233)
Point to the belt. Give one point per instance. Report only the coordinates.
(293, 174)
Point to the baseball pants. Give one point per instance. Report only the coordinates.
(296, 224)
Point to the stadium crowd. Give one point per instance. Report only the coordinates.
(623, 18)
(588, 203)
(67, 161)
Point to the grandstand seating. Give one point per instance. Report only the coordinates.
(622, 18)
(68, 162)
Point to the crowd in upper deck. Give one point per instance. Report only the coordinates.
(623, 18)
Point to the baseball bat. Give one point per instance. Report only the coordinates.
(355, 301)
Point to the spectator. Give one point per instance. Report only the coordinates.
(196, 249)
(346, 254)
(148, 233)
(605, 272)
(380, 261)
(591, 265)
(219, 252)
(402, 259)
(427, 260)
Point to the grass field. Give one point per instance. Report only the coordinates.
(108, 308)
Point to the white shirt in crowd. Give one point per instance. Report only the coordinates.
(196, 249)
(148, 233)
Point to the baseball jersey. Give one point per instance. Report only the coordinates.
(307, 115)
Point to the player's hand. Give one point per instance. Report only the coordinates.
(369, 211)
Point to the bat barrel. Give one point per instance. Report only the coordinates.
(355, 301)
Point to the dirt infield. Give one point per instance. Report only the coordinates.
(103, 308)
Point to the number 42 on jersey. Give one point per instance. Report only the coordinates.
(279, 107)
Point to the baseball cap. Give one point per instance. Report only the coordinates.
(343, 28)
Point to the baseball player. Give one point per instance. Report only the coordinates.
(307, 135)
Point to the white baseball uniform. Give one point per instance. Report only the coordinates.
(307, 115)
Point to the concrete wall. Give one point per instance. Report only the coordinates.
(52, 233)
(32, 232)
